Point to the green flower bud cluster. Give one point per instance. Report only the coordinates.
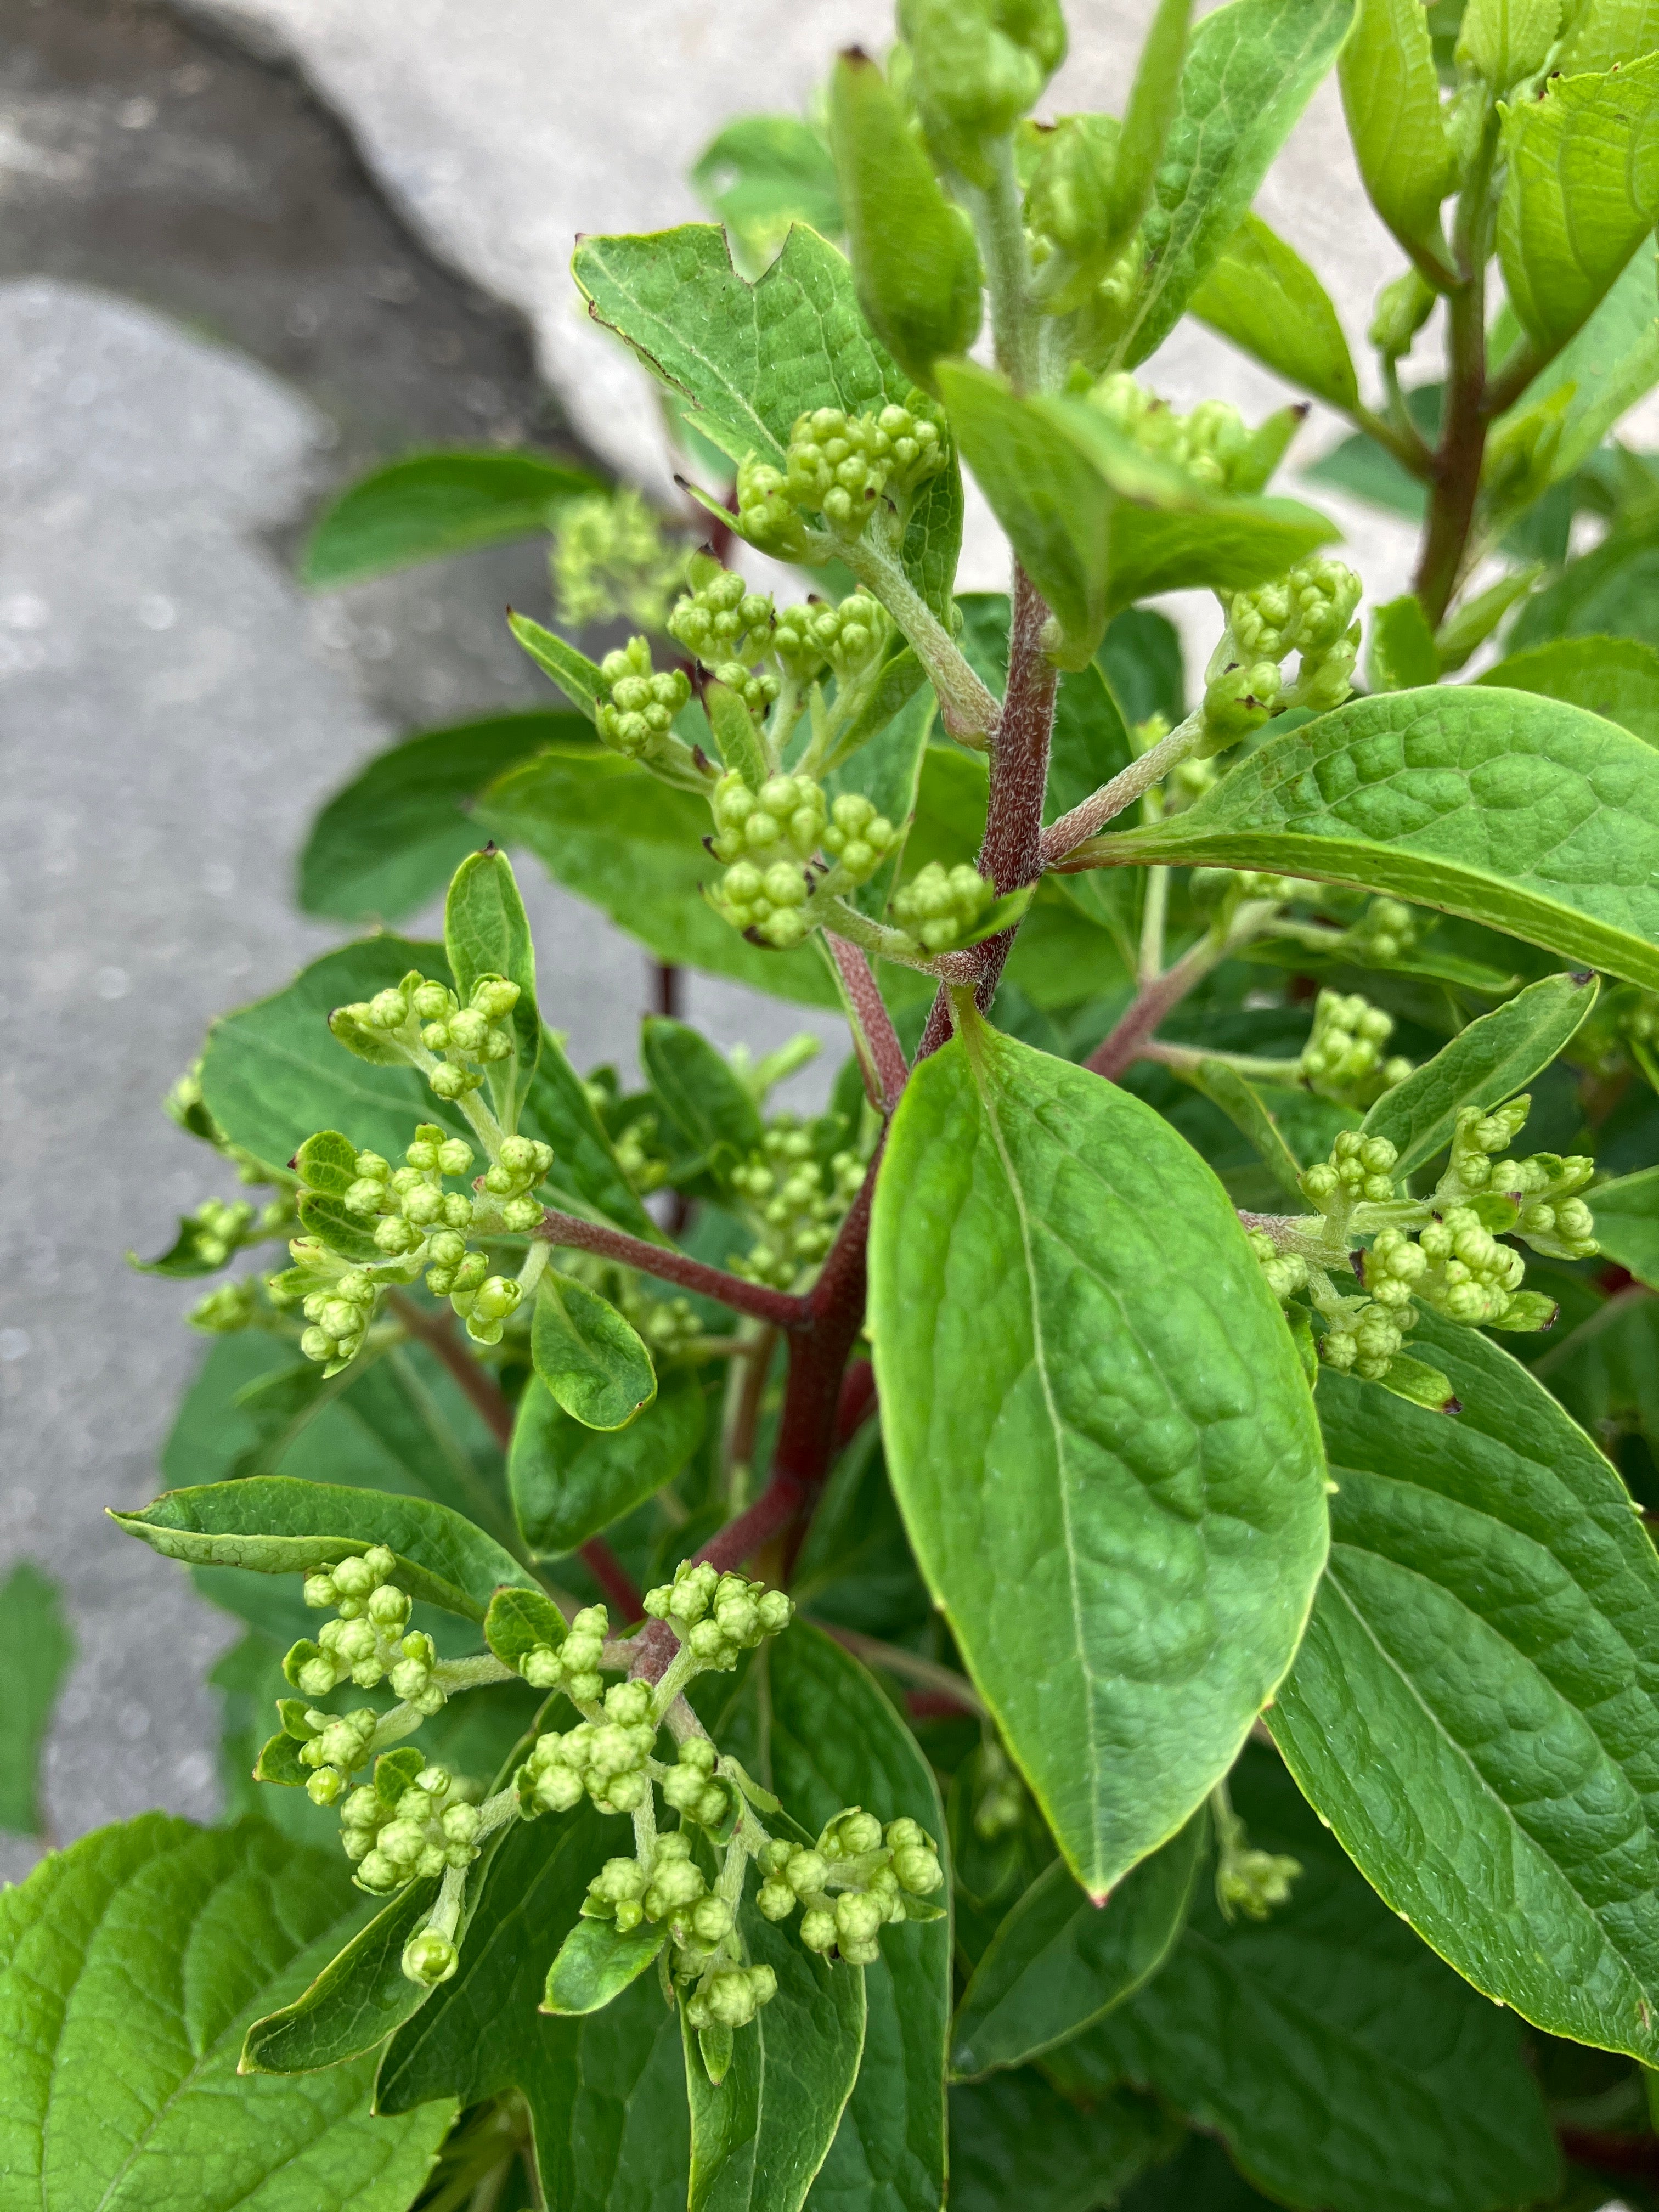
(766, 838)
(640, 705)
(856, 837)
(871, 1870)
(1308, 611)
(732, 1996)
(227, 1307)
(1068, 200)
(1343, 1057)
(940, 906)
(845, 637)
(1387, 931)
(795, 1201)
(1212, 444)
(1001, 1801)
(1543, 1190)
(841, 465)
(517, 1167)
(366, 1643)
(222, 1227)
(611, 561)
(690, 1786)
(574, 1667)
(722, 620)
(717, 1616)
(420, 1013)
(334, 1744)
(1231, 886)
(1359, 1169)
(1246, 1880)
(667, 1325)
(424, 1831)
(976, 66)
(638, 1156)
(766, 517)
(410, 1203)
(603, 1760)
(670, 1888)
(1287, 1272)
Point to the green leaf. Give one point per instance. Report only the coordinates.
(1530, 816)
(1199, 2174)
(486, 932)
(393, 836)
(1089, 1398)
(750, 358)
(714, 1114)
(271, 1073)
(1243, 1106)
(570, 1479)
(1627, 1224)
(431, 505)
(196, 1250)
(1611, 591)
(36, 1648)
(1615, 677)
(1582, 188)
(359, 1998)
(576, 675)
(131, 1964)
(519, 1621)
(764, 172)
(597, 1961)
(1401, 653)
(611, 832)
(327, 1162)
(1485, 1064)
(1251, 68)
(914, 256)
(1097, 523)
(1015, 2140)
(559, 1110)
(1606, 31)
(1153, 104)
(1610, 364)
(1391, 97)
(1262, 295)
(588, 1357)
(1345, 2069)
(275, 1525)
(342, 1231)
(1475, 1708)
(1059, 1962)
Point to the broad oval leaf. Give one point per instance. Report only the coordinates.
(1475, 1707)
(1627, 1223)
(274, 1524)
(1262, 295)
(597, 1961)
(1616, 677)
(1098, 1435)
(131, 1964)
(1485, 1063)
(569, 1480)
(430, 505)
(1391, 97)
(1528, 815)
(590, 1358)
(521, 1620)
(1059, 1962)
(1016, 2142)
(361, 1996)
(714, 1112)
(486, 932)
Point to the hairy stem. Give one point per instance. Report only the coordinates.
(998, 220)
(968, 710)
(779, 1308)
(1456, 481)
(880, 1053)
(1092, 814)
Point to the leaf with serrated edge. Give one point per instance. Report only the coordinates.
(1090, 1398)
(1530, 816)
(36, 1648)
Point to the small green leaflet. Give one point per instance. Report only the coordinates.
(1262, 295)
(569, 1480)
(518, 1621)
(597, 1961)
(486, 932)
(1098, 1435)
(1528, 815)
(1475, 1707)
(431, 505)
(131, 1966)
(1616, 677)
(1610, 363)
(1391, 96)
(361, 1996)
(1626, 1225)
(590, 1358)
(36, 1648)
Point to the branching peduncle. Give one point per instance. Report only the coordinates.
(781, 1308)
(1127, 1040)
(1092, 814)
(968, 709)
(880, 1051)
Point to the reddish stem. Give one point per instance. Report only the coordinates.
(613, 1578)
(890, 1069)
(857, 1401)
(779, 1308)
(1147, 1009)
(1637, 2156)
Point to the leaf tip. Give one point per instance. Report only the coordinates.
(1451, 1405)
(1581, 976)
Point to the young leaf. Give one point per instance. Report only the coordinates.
(1251, 68)
(275, 1525)
(1154, 102)
(327, 1220)
(431, 505)
(764, 172)
(1627, 1224)
(1354, 2072)
(597, 1961)
(568, 1480)
(576, 675)
(359, 1997)
(558, 1109)
(486, 932)
(1611, 591)
(1262, 295)
(521, 1620)
(1532, 816)
(1059, 1962)
(120, 2031)
(1391, 97)
(1474, 1709)
(1608, 366)
(396, 834)
(36, 1648)
(1088, 1397)
(914, 256)
(1400, 654)
(713, 1113)
(1015, 2140)
(1582, 188)
(1485, 1064)
(1616, 677)
(590, 1358)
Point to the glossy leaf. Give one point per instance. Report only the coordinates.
(131, 1964)
(611, 832)
(1475, 1708)
(1485, 1063)
(764, 172)
(1345, 2069)
(1015, 2140)
(597, 1961)
(1090, 1398)
(570, 1479)
(1616, 677)
(1251, 68)
(1627, 1223)
(393, 837)
(275, 1525)
(1058, 1962)
(1262, 295)
(1391, 97)
(589, 1358)
(521, 1620)
(486, 932)
(359, 1998)
(1581, 190)
(752, 358)
(713, 1113)
(431, 505)
(1530, 816)
(36, 1648)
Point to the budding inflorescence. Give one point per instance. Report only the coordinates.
(603, 1760)
(611, 561)
(857, 1879)
(637, 714)
(1308, 611)
(367, 1642)
(425, 1023)
(1343, 1057)
(845, 637)
(843, 469)
(1212, 444)
(717, 1616)
(940, 906)
(574, 1666)
(794, 1198)
(768, 837)
(421, 1830)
